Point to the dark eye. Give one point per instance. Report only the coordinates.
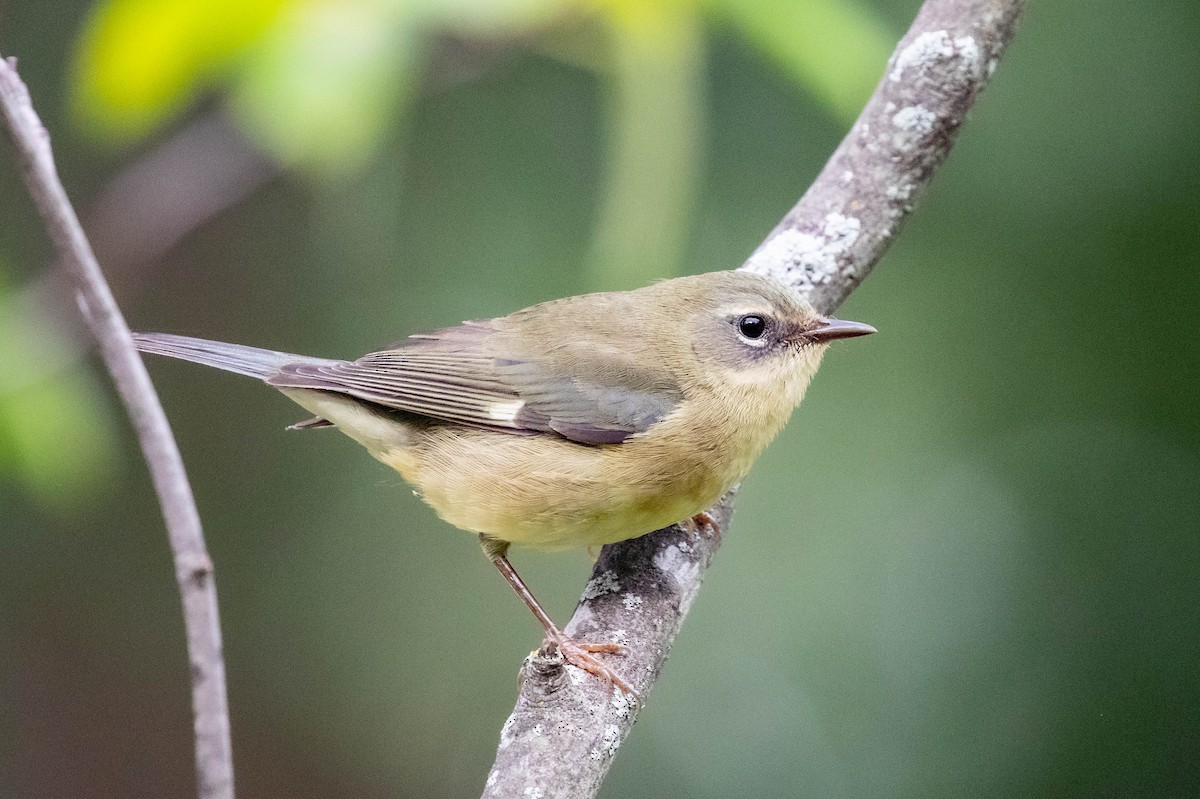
(752, 327)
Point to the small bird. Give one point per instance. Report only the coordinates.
(576, 422)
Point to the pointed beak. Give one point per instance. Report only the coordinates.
(829, 329)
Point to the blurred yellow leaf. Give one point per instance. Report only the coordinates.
(142, 60)
(321, 88)
(649, 18)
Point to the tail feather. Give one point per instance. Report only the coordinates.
(249, 361)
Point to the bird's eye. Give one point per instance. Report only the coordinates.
(752, 327)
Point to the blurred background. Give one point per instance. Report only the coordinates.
(970, 566)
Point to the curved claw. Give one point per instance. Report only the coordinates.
(705, 519)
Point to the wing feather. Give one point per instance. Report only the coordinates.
(456, 375)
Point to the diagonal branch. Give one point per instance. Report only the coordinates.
(566, 728)
(193, 567)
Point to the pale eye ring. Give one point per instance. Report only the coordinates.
(752, 327)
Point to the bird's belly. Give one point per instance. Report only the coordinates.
(547, 492)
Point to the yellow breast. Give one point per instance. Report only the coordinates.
(544, 491)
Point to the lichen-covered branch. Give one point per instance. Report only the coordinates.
(567, 727)
(193, 567)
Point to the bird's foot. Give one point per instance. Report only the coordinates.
(582, 655)
(705, 519)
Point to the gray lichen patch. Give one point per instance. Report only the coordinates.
(604, 583)
(806, 259)
(915, 119)
(929, 50)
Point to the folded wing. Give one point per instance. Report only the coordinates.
(476, 375)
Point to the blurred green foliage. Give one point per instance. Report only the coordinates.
(319, 81)
(46, 398)
(969, 567)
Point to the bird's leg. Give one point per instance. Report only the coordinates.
(574, 652)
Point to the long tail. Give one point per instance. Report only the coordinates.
(249, 361)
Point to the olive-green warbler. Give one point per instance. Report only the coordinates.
(581, 421)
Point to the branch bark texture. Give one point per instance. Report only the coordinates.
(567, 727)
(193, 567)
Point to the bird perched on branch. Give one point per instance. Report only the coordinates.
(581, 421)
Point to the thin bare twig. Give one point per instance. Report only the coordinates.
(565, 731)
(193, 567)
